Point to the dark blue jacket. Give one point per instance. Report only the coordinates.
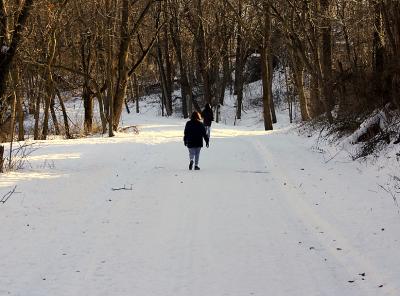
(194, 134)
(208, 116)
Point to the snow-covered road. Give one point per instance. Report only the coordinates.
(264, 216)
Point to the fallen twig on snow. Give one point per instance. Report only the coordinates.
(6, 196)
(122, 188)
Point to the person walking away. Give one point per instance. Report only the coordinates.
(194, 134)
(208, 117)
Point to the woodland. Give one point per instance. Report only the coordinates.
(341, 59)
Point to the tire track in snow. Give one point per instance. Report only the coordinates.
(353, 262)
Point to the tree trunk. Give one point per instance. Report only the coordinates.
(225, 72)
(163, 80)
(315, 102)
(298, 75)
(3, 23)
(127, 106)
(103, 116)
(377, 54)
(47, 103)
(168, 71)
(1, 159)
(88, 106)
(45, 129)
(266, 69)
(201, 54)
(102, 108)
(36, 132)
(109, 102)
(266, 86)
(65, 115)
(31, 95)
(20, 114)
(137, 96)
(327, 58)
(122, 70)
(239, 80)
(289, 97)
(110, 98)
(19, 109)
(13, 112)
(54, 116)
(271, 76)
(239, 86)
(342, 89)
(51, 50)
(87, 95)
(12, 124)
(185, 90)
(190, 84)
(176, 41)
(391, 16)
(7, 57)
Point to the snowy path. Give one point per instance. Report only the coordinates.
(264, 216)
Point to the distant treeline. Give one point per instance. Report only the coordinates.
(339, 55)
